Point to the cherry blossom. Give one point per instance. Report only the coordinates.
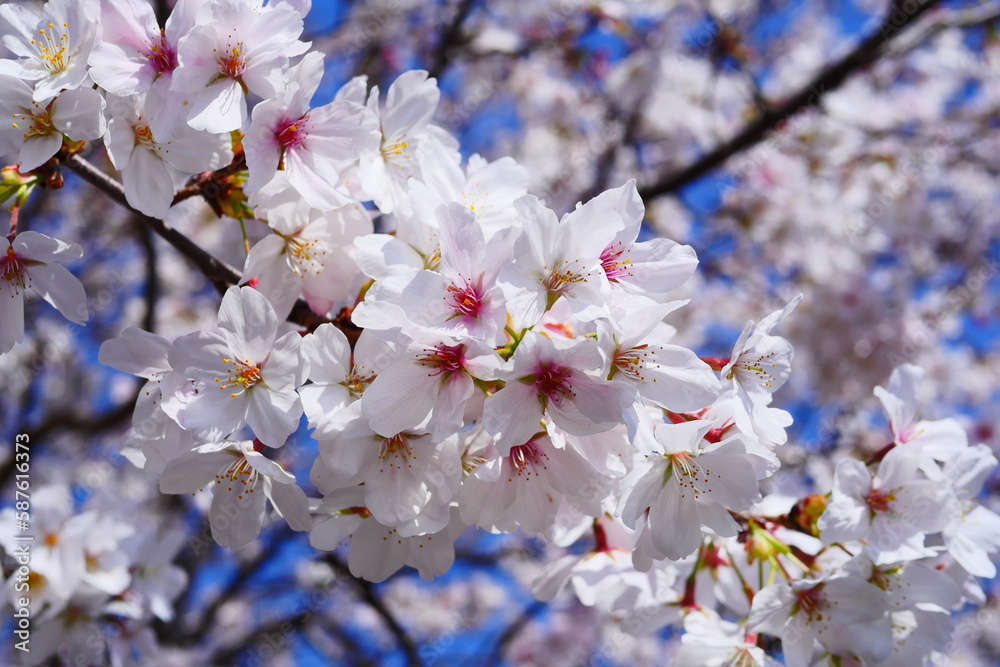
(501, 377)
(885, 509)
(236, 48)
(310, 145)
(52, 47)
(309, 252)
(549, 377)
(243, 375)
(136, 56)
(409, 477)
(937, 440)
(32, 263)
(153, 162)
(558, 258)
(974, 531)
(34, 130)
(406, 131)
(238, 510)
(428, 384)
(460, 298)
(685, 486)
(759, 366)
(845, 614)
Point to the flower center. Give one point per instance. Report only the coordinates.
(559, 281)
(443, 359)
(684, 467)
(395, 453)
(52, 46)
(305, 255)
(396, 150)
(811, 601)
(465, 301)
(755, 369)
(631, 362)
(233, 62)
(238, 472)
(526, 459)
(162, 56)
(615, 267)
(143, 135)
(13, 270)
(242, 377)
(293, 132)
(879, 502)
(36, 122)
(358, 380)
(551, 382)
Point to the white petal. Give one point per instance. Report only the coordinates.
(400, 398)
(292, 505)
(273, 415)
(248, 322)
(60, 288)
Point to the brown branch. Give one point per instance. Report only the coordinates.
(162, 10)
(68, 421)
(365, 588)
(218, 272)
(451, 38)
(198, 185)
(831, 78)
(152, 287)
(513, 630)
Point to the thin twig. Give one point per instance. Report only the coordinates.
(863, 55)
(451, 38)
(513, 630)
(218, 272)
(367, 592)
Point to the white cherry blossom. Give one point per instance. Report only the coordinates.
(310, 145)
(52, 47)
(32, 263)
(887, 508)
(845, 613)
(244, 375)
(405, 127)
(688, 483)
(34, 130)
(244, 479)
(155, 160)
(550, 377)
(236, 48)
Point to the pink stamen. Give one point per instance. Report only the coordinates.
(551, 381)
(162, 56)
(444, 359)
(615, 267)
(293, 132)
(466, 301)
(13, 270)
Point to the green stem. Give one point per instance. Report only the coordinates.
(246, 239)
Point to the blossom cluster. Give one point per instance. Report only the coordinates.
(484, 362)
(98, 576)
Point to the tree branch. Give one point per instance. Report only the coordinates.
(218, 272)
(368, 595)
(451, 37)
(863, 55)
(513, 630)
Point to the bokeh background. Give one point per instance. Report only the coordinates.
(848, 150)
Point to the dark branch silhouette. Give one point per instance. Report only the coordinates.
(218, 272)
(831, 78)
